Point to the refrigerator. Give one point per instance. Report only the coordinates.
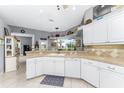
(2, 51)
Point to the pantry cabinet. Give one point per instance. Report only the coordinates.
(110, 79)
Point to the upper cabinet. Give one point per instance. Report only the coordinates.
(88, 34)
(109, 29)
(116, 28)
(100, 31)
(95, 32)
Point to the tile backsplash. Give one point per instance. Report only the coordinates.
(115, 51)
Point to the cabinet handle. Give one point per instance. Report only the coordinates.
(112, 68)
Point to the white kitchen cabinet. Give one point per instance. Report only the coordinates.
(96, 32)
(90, 73)
(72, 68)
(59, 67)
(48, 67)
(88, 33)
(100, 31)
(30, 68)
(10, 64)
(39, 67)
(116, 28)
(110, 79)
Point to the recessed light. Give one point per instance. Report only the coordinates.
(41, 11)
(74, 7)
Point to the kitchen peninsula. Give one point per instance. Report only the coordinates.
(86, 65)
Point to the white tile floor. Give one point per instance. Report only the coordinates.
(17, 79)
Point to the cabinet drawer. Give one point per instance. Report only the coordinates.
(111, 67)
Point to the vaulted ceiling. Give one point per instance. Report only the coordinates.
(44, 18)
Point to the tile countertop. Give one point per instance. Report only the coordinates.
(104, 59)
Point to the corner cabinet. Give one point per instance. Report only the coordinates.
(90, 72)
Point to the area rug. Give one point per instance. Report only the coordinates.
(53, 80)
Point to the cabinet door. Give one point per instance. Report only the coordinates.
(116, 28)
(48, 67)
(88, 34)
(90, 73)
(39, 67)
(59, 68)
(30, 68)
(109, 79)
(72, 69)
(100, 29)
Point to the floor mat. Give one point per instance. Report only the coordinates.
(53, 80)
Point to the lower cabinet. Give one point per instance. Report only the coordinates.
(110, 79)
(96, 73)
(30, 68)
(59, 68)
(10, 64)
(48, 67)
(39, 67)
(90, 73)
(72, 68)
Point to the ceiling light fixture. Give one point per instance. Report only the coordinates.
(74, 7)
(41, 11)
